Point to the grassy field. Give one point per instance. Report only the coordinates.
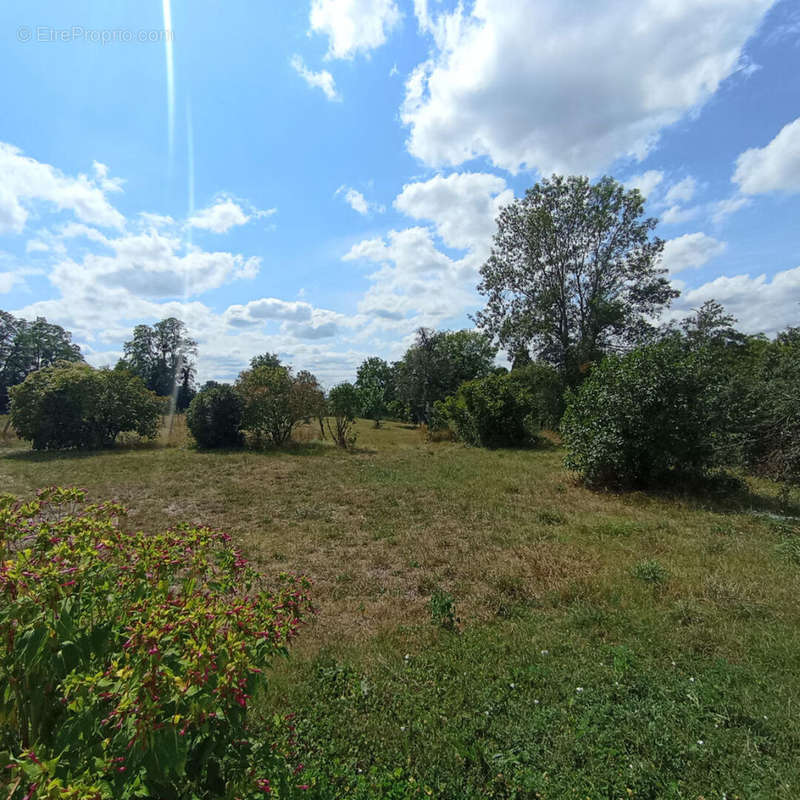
(602, 645)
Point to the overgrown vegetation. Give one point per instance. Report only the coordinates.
(72, 405)
(613, 588)
(129, 660)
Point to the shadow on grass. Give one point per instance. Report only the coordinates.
(42, 456)
(721, 492)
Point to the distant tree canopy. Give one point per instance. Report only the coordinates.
(265, 360)
(163, 357)
(573, 273)
(375, 384)
(437, 364)
(28, 346)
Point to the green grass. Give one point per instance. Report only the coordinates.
(675, 615)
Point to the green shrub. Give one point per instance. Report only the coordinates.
(494, 411)
(128, 660)
(344, 403)
(643, 418)
(274, 401)
(215, 417)
(73, 405)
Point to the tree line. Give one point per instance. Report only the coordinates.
(574, 289)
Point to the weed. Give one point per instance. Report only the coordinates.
(651, 571)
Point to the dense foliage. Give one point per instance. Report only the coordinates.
(495, 411)
(436, 365)
(274, 401)
(644, 417)
(73, 405)
(573, 272)
(163, 357)
(375, 382)
(28, 346)
(214, 416)
(128, 660)
(765, 390)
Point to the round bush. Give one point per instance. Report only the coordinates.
(643, 418)
(494, 411)
(73, 405)
(214, 417)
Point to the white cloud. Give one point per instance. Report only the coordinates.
(416, 283)
(357, 201)
(567, 87)
(257, 312)
(681, 192)
(674, 215)
(463, 206)
(150, 264)
(24, 180)
(760, 304)
(319, 80)
(724, 208)
(646, 182)
(353, 26)
(774, 168)
(224, 215)
(8, 280)
(690, 251)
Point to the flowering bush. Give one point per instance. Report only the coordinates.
(127, 660)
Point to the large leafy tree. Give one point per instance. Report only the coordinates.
(163, 357)
(437, 364)
(573, 272)
(29, 346)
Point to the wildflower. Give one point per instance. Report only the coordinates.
(579, 689)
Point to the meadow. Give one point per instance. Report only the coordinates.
(487, 627)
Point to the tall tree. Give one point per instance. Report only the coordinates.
(163, 357)
(573, 272)
(28, 346)
(437, 364)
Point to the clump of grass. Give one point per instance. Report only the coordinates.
(548, 516)
(651, 571)
(442, 607)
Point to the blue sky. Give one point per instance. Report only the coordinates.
(320, 178)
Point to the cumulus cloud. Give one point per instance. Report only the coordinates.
(690, 251)
(645, 182)
(24, 180)
(357, 201)
(417, 283)
(257, 312)
(567, 87)
(773, 168)
(151, 264)
(8, 280)
(681, 192)
(220, 217)
(462, 206)
(318, 80)
(353, 26)
(759, 303)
